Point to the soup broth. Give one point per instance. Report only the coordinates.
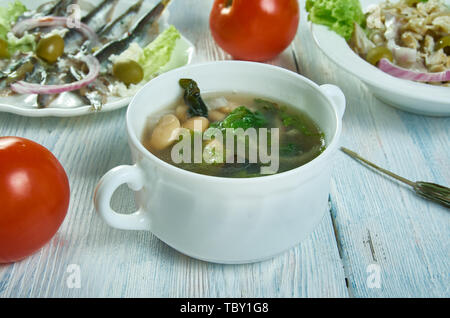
(300, 140)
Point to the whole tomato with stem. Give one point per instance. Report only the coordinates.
(254, 30)
(34, 197)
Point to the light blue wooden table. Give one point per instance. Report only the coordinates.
(378, 239)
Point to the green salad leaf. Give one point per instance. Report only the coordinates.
(9, 15)
(243, 118)
(338, 15)
(156, 56)
(26, 43)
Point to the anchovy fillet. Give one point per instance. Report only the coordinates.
(95, 19)
(115, 29)
(100, 15)
(140, 34)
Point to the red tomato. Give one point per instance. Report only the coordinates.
(34, 197)
(256, 30)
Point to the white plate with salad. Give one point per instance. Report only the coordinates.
(74, 57)
(399, 49)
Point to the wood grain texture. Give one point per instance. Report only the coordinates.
(115, 263)
(377, 220)
(372, 220)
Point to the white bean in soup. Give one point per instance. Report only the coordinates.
(165, 133)
(197, 123)
(181, 111)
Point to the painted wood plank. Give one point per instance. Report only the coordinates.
(115, 263)
(379, 221)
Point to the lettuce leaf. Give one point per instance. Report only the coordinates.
(9, 15)
(338, 15)
(26, 43)
(156, 56)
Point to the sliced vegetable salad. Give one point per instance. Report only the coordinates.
(408, 39)
(47, 54)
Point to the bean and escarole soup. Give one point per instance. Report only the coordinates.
(232, 135)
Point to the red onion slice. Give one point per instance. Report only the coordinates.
(66, 22)
(22, 87)
(386, 66)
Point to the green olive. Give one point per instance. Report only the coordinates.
(444, 43)
(50, 48)
(128, 71)
(377, 53)
(3, 49)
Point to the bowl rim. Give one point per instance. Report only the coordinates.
(309, 166)
(347, 59)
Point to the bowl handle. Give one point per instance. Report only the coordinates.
(336, 96)
(133, 176)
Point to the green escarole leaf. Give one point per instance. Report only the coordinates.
(242, 117)
(338, 15)
(9, 15)
(159, 53)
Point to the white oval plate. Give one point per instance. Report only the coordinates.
(407, 95)
(66, 106)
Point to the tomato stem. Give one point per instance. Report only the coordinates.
(228, 3)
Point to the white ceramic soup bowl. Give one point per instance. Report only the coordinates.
(226, 220)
